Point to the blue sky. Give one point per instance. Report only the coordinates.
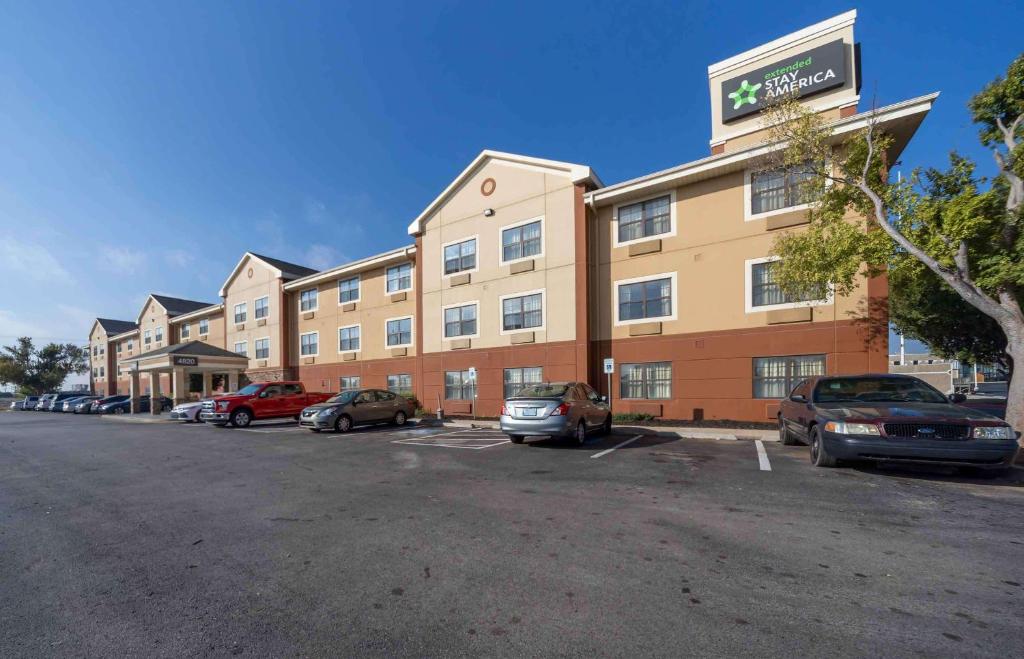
(146, 146)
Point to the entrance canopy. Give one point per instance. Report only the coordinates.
(194, 356)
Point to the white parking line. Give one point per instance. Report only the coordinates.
(762, 456)
(609, 450)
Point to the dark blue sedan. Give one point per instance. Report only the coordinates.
(125, 406)
(892, 418)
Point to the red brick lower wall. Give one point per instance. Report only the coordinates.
(372, 373)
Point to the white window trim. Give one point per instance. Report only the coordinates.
(298, 300)
(201, 332)
(464, 239)
(467, 303)
(254, 341)
(671, 219)
(501, 249)
(159, 338)
(748, 290)
(412, 331)
(245, 311)
(747, 195)
(412, 279)
(543, 312)
(186, 331)
(360, 348)
(359, 290)
(242, 343)
(264, 297)
(317, 353)
(636, 280)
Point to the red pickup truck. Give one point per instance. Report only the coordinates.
(259, 400)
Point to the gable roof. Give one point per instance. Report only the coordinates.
(191, 348)
(578, 174)
(282, 269)
(112, 327)
(175, 306)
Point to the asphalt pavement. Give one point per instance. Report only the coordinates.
(158, 540)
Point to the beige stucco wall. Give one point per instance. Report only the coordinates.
(153, 316)
(243, 288)
(214, 337)
(845, 95)
(708, 255)
(98, 341)
(372, 311)
(520, 194)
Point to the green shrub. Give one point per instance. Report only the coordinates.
(631, 417)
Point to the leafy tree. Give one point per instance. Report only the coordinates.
(964, 230)
(38, 371)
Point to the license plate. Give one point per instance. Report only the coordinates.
(529, 411)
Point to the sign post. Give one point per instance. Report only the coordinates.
(472, 378)
(609, 368)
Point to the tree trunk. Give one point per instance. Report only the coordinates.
(1014, 329)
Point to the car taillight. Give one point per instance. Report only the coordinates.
(504, 410)
(561, 410)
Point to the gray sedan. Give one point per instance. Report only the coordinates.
(355, 408)
(557, 409)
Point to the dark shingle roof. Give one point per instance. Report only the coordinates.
(192, 349)
(176, 306)
(288, 270)
(115, 326)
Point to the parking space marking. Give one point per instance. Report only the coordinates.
(762, 456)
(617, 446)
(469, 438)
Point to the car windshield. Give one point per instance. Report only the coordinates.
(542, 391)
(249, 389)
(875, 390)
(344, 398)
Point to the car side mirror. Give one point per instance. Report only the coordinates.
(603, 399)
(798, 398)
(957, 398)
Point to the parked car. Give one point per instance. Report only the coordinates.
(17, 404)
(94, 407)
(891, 418)
(83, 405)
(71, 404)
(557, 409)
(188, 411)
(68, 404)
(125, 406)
(44, 402)
(355, 408)
(29, 403)
(258, 401)
(56, 403)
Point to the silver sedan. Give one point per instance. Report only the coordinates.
(556, 409)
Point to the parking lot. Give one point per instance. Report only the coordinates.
(169, 540)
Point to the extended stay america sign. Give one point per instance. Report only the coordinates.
(807, 73)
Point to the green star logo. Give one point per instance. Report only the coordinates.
(745, 94)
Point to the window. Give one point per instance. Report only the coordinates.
(118, 348)
(765, 292)
(651, 381)
(521, 242)
(399, 278)
(131, 346)
(645, 299)
(459, 386)
(241, 312)
(400, 384)
(308, 300)
(95, 371)
(147, 337)
(242, 348)
(460, 321)
(348, 382)
(204, 327)
(103, 350)
(775, 377)
(95, 351)
(159, 332)
(186, 330)
(101, 372)
(118, 371)
(518, 378)
(348, 290)
(348, 339)
(460, 257)
(399, 332)
(644, 219)
(262, 347)
(261, 308)
(309, 344)
(522, 312)
(778, 189)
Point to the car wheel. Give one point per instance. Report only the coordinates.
(606, 427)
(516, 439)
(819, 454)
(343, 423)
(400, 418)
(118, 410)
(785, 437)
(975, 472)
(240, 419)
(581, 433)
